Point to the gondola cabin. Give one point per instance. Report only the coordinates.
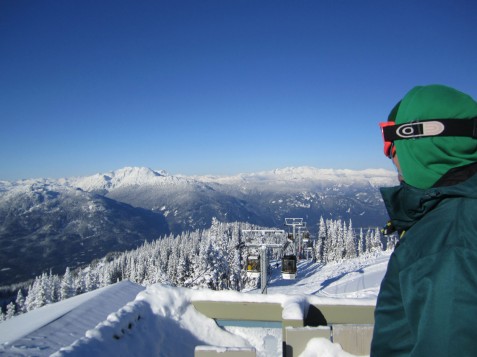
(253, 266)
(289, 267)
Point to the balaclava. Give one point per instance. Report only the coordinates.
(423, 161)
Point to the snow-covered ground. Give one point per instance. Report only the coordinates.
(126, 319)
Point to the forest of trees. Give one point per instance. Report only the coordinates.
(211, 258)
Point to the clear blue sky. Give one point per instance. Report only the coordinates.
(217, 86)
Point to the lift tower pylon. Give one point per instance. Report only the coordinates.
(294, 222)
(264, 247)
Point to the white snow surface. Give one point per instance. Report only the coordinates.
(126, 319)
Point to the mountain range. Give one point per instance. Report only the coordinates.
(54, 223)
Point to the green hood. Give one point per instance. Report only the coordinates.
(423, 161)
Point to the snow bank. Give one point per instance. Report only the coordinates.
(115, 296)
(160, 322)
(43, 331)
(323, 347)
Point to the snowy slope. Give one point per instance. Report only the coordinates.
(355, 279)
(160, 321)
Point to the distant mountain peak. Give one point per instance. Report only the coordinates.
(137, 172)
(126, 176)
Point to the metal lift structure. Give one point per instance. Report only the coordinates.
(257, 264)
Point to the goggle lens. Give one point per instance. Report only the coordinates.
(389, 149)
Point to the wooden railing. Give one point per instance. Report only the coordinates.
(349, 325)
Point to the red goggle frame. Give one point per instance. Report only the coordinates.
(389, 149)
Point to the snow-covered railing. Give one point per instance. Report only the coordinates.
(349, 325)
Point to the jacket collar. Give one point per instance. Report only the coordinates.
(406, 204)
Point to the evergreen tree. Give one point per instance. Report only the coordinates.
(105, 276)
(20, 302)
(66, 286)
(10, 310)
(37, 295)
(235, 259)
(79, 282)
(182, 267)
(202, 264)
(44, 292)
(361, 243)
(172, 265)
(341, 248)
(321, 248)
(350, 242)
(91, 280)
(369, 240)
(53, 288)
(333, 241)
(29, 298)
(376, 245)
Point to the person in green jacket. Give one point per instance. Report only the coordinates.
(427, 304)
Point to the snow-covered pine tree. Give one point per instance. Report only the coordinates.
(376, 245)
(321, 246)
(200, 264)
(53, 281)
(37, 295)
(66, 286)
(20, 302)
(105, 277)
(333, 241)
(182, 268)
(10, 310)
(91, 279)
(79, 282)
(172, 264)
(235, 258)
(350, 242)
(341, 247)
(222, 252)
(361, 243)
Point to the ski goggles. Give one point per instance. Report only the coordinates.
(389, 149)
(428, 128)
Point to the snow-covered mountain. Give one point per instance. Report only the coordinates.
(264, 198)
(46, 223)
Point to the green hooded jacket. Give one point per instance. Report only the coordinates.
(427, 304)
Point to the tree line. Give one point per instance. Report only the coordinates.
(212, 258)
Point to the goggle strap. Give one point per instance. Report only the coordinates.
(431, 128)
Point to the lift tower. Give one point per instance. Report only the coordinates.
(264, 247)
(294, 222)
